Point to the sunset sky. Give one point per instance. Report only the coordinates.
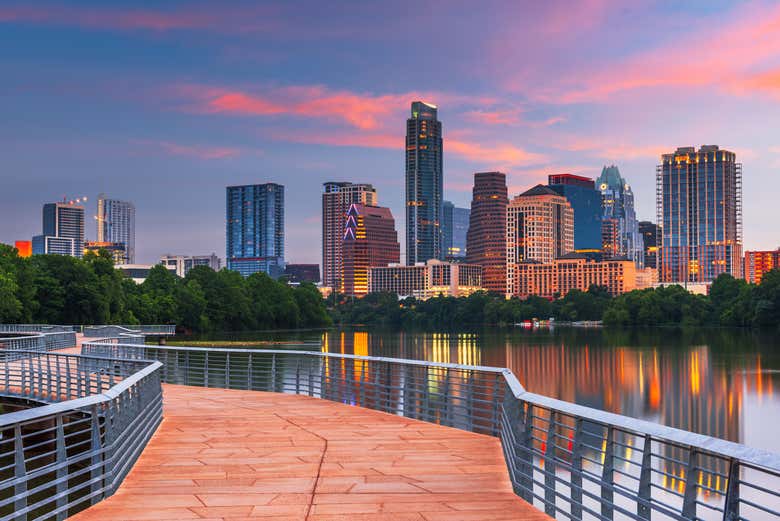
(165, 104)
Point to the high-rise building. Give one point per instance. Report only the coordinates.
(585, 200)
(486, 238)
(116, 223)
(454, 227)
(426, 280)
(297, 273)
(757, 263)
(539, 227)
(620, 229)
(424, 184)
(63, 230)
(649, 232)
(182, 264)
(117, 250)
(370, 240)
(699, 202)
(255, 229)
(337, 197)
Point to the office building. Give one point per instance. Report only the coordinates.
(486, 238)
(424, 184)
(757, 263)
(699, 202)
(24, 248)
(337, 197)
(182, 264)
(425, 280)
(572, 271)
(585, 201)
(454, 227)
(116, 224)
(63, 230)
(297, 273)
(138, 273)
(255, 229)
(620, 229)
(539, 227)
(649, 232)
(116, 250)
(370, 240)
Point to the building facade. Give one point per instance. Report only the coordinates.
(182, 264)
(424, 184)
(650, 233)
(699, 206)
(63, 230)
(486, 237)
(757, 263)
(454, 227)
(297, 273)
(337, 197)
(116, 224)
(427, 280)
(539, 227)
(23, 248)
(585, 201)
(117, 250)
(255, 229)
(370, 240)
(573, 271)
(620, 229)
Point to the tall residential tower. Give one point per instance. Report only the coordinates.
(116, 224)
(486, 238)
(337, 197)
(424, 184)
(370, 240)
(699, 205)
(255, 229)
(585, 200)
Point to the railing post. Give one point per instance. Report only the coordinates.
(496, 382)
(731, 507)
(249, 373)
(549, 467)
(206, 370)
(20, 472)
(227, 370)
(645, 489)
(608, 476)
(62, 468)
(445, 418)
(273, 372)
(470, 400)
(576, 469)
(689, 497)
(526, 452)
(96, 474)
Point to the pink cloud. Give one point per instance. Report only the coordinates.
(609, 148)
(492, 155)
(196, 151)
(495, 117)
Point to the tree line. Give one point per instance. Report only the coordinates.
(55, 289)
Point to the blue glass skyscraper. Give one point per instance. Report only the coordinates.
(255, 229)
(620, 235)
(585, 200)
(454, 228)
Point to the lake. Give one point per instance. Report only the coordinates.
(719, 382)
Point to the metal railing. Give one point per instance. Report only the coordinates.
(34, 328)
(571, 461)
(115, 330)
(58, 459)
(41, 341)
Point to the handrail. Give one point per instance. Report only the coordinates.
(573, 461)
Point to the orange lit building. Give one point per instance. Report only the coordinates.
(572, 271)
(24, 248)
(370, 240)
(759, 262)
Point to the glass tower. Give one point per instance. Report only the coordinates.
(454, 227)
(116, 224)
(699, 204)
(255, 229)
(585, 200)
(63, 230)
(486, 238)
(619, 227)
(424, 184)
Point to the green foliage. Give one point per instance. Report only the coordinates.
(64, 290)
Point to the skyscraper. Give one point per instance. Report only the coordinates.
(649, 233)
(757, 263)
(116, 224)
(539, 227)
(486, 238)
(454, 227)
(585, 200)
(424, 184)
(63, 230)
(337, 197)
(699, 206)
(255, 229)
(620, 229)
(370, 240)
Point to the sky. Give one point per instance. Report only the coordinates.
(166, 103)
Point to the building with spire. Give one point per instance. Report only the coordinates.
(620, 235)
(486, 237)
(424, 184)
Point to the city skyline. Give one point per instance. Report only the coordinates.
(332, 105)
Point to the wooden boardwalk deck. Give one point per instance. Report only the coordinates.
(241, 455)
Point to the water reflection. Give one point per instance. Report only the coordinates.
(701, 381)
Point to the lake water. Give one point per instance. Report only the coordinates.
(720, 382)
